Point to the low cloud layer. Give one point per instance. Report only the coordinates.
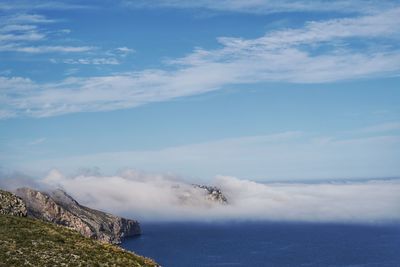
(163, 197)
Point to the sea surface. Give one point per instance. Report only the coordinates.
(268, 244)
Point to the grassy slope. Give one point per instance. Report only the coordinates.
(30, 242)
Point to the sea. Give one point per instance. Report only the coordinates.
(193, 244)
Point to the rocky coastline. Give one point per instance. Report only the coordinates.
(60, 208)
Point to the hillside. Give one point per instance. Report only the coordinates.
(60, 208)
(31, 242)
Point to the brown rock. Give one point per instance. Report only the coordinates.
(10, 204)
(60, 208)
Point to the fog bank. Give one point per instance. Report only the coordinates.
(163, 197)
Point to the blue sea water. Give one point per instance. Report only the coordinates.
(268, 244)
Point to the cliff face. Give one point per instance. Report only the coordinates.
(10, 204)
(60, 208)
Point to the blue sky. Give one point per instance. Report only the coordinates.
(264, 90)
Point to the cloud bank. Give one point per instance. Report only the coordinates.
(165, 197)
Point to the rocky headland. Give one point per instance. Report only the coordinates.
(26, 239)
(60, 208)
(38, 228)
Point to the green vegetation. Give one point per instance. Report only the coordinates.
(31, 242)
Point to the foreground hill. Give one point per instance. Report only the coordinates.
(30, 242)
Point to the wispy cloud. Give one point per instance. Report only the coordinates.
(29, 5)
(125, 50)
(244, 6)
(23, 33)
(29, 18)
(45, 49)
(89, 61)
(267, 7)
(319, 52)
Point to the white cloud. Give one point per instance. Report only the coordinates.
(267, 6)
(45, 49)
(29, 5)
(246, 6)
(21, 33)
(65, 31)
(315, 32)
(155, 196)
(101, 93)
(17, 27)
(125, 50)
(319, 52)
(29, 18)
(92, 61)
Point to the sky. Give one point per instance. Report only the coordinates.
(263, 90)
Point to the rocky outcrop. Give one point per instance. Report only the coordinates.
(213, 193)
(60, 208)
(10, 204)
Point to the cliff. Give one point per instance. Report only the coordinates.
(60, 208)
(10, 204)
(213, 193)
(31, 242)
